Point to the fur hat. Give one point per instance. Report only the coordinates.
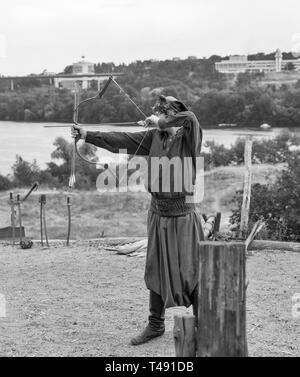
(172, 102)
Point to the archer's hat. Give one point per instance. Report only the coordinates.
(173, 103)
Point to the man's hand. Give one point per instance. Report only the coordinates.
(78, 133)
(152, 121)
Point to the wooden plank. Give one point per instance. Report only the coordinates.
(275, 245)
(185, 336)
(222, 302)
(8, 233)
(247, 188)
(255, 230)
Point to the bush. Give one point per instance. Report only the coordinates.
(278, 204)
(219, 155)
(5, 183)
(265, 151)
(25, 173)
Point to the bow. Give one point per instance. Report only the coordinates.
(77, 106)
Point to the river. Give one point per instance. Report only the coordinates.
(33, 141)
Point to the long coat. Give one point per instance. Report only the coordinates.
(173, 240)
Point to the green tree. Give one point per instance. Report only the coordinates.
(5, 183)
(68, 69)
(290, 66)
(86, 174)
(25, 173)
(278, 203)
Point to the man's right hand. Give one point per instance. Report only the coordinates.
(152, 121)
(78, 133)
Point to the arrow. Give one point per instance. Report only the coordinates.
(140, 123)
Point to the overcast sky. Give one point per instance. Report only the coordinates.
(38, 34)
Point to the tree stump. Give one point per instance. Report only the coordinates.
(185, 336)
(221, 301)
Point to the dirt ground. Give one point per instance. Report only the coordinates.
(85, 301)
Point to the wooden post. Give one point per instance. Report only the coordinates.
(221, 300)
(247, 188)
(20, 216)
(218, 222)
(13, 217)
(185, 336)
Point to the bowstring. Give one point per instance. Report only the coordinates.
(130, 99)
(135, 105)
(141, 111)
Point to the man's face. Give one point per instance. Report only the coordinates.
(159, 108)
(162, 107)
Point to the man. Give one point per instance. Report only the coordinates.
(174, 225)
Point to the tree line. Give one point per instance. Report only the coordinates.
(215, 98)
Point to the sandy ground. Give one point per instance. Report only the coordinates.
(85, 301)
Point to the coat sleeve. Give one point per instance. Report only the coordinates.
(192, 131)
(138, 143)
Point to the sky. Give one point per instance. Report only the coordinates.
(38, 34)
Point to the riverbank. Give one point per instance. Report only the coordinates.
(32, 141)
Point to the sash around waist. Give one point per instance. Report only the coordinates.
(171, 207)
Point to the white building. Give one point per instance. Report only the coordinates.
(83, 70)
(235, 64)
(83, 74)
(82, 67)
(240, 63)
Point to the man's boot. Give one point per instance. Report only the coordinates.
(156, 325)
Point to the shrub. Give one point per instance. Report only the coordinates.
(265, 151)
(25, 173)
(278, 203)
(5, 183)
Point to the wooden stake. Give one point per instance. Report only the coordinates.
(222, 303)
(42, 198)
(44, 221)
(13, 217)
(69, 220)
(247, 188)
(218, 222)
(255, 230)
(185, 336)
(20, 216)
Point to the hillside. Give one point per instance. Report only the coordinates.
(97, 215)
(247, 99)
